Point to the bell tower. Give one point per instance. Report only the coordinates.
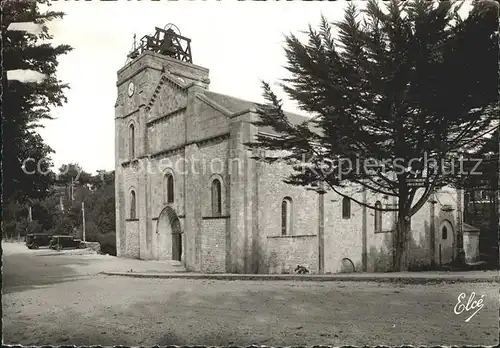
(167, 41)
(158, 78)
(164, 55)
(171, 52)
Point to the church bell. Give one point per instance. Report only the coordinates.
(168, 47)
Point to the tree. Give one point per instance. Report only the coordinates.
(13, 213)
(44, 211)
(100, 204)
(73, 172)
(485, 216)
(395, 95)
(98, 194)
(24, 105)
(100, 211)
(485, 172)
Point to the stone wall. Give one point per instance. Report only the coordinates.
(132, 237)
(285, 253)
(175, 165)
(244, 247)
(343, 236)
(214, 165)
(166, 133)
(214, 245)
(379, 243)
(129, 181)
(419, 249)
(271, 192)
(208, 122)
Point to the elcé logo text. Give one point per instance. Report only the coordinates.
(471, 305)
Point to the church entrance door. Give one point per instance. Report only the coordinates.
(169, 236)
(445, 243)
(176, 240)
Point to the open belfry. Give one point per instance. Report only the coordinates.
(189, 190)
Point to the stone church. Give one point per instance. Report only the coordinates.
(188, 189)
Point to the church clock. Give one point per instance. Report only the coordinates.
(131, 89)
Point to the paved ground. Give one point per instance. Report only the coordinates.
(60, 300)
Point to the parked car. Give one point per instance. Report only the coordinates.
(61, 242)
(36, 240)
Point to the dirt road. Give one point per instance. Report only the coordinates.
(78, 309)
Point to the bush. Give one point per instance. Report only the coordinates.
(301, 269)
(34, 227)
(62, 226)
(9, 229)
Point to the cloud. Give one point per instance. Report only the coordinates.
(28, 27)
(26, 76)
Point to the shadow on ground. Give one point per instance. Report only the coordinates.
(21, 272)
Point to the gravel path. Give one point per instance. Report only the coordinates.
(102, 310)
(109, 311)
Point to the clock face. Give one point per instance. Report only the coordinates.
(131, 89)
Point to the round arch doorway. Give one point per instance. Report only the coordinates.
(169, 236)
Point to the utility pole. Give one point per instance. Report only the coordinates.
(83, 218)
(30, 219)
(68, 192)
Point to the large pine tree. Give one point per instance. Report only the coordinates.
(396, 85)
(24, 105)
(485, 216)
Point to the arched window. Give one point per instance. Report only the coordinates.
(216, 198)
(169, 188)
(286, 216)
(378, 216)
(346, 208)
(132, 141)
(444, 233)
(133, 205)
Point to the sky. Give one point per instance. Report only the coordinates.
(240, 43)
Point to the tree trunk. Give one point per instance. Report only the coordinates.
(474, 206)
(401, 243)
